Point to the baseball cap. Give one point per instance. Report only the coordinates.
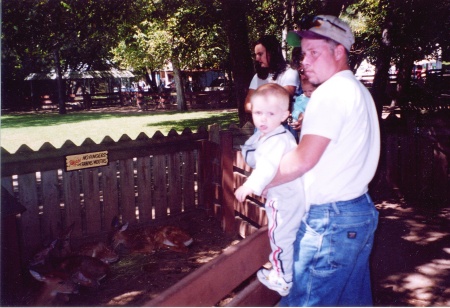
(323, 27)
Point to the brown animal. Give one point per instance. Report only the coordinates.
(172, 238)
(100, 251)
(139, 240)
(84, 270)
(85, 267)
(61, 248)
(54, 283)
(147, 240)
(42, 256)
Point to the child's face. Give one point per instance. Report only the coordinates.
(308, 89)
(267, 113)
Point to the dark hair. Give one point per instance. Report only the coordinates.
(296, 58)
(277, 63)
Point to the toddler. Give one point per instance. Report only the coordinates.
(284, 203)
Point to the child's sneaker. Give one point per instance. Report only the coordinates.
(270, 279)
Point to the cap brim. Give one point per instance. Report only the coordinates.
(311, 35)
(293, 38)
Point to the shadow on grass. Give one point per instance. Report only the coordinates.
(221, 118)
(37, 120)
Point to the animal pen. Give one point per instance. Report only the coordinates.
(147, 181)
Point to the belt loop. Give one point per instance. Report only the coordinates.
(335, 208)
(368, 198)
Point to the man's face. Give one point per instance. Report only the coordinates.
(261, 55)
(319, 61)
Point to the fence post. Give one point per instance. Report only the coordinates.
(226, 148)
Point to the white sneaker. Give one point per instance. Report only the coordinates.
(270, 279)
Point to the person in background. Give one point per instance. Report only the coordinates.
(284, 205)
(140, 98)
(271, 67)
(337, 157)
(299, 106)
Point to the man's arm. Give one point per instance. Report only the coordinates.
(303, 158)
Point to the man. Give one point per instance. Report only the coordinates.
(337, 157)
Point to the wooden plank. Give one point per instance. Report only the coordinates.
(109, 194)
(255, 295)
(51, 215)
(208, 284)
(127, 194)
(160, 192)
(7, 183)
(226, 145)
(189, 170)
(72, 202)
(144, 187)
(91, 190)
(175, 192)
(30, 223)
(253, 211)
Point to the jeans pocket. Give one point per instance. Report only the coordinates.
(347, 241)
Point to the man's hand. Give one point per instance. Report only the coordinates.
(242, 192)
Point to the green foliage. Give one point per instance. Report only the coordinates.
(189, 32)
(82, 31)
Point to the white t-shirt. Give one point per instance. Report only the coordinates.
(342, 110)
(288, 78)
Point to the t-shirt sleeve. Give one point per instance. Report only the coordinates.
(327, 112)
(254, 82)
(290, 78)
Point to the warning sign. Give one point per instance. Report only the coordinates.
(86, 160)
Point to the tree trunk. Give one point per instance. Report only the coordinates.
(380, 87)
(235, 24)
(181, 99)
(59, 83)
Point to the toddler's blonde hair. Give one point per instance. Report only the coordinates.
(274, 90)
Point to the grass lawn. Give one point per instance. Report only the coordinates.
(33, 129)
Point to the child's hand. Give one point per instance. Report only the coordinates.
(242, 192)
(296, 125)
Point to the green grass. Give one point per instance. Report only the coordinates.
(37, 128)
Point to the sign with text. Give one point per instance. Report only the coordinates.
(86, 160)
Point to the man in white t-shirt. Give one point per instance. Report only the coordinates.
(337, 156)
(271, 67)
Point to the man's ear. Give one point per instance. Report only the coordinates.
(340, 52)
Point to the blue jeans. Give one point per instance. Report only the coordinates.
(331, 255)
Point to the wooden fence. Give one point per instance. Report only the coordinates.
(152, 100)
(149, 179)
(145, 180)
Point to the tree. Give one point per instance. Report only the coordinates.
(399, 32)
(185, 33)
(63, 35)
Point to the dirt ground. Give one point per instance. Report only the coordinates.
(410, 261)
(137, 278)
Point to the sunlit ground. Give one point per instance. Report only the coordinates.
(411, 257)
